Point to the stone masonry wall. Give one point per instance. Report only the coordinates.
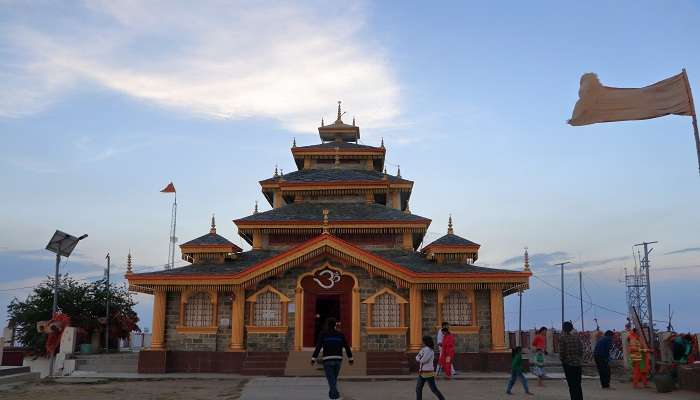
(483, 316)
(196, 342)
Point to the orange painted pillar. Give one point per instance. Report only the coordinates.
(416, 311)
(299, 319)
(498, 332)
(356, 319)
(158, 326)
(237, 320)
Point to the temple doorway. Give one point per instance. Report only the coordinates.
(327, 293)
(327, 306)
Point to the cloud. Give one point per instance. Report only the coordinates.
(537, 260)
(681, 251)
(221, 60)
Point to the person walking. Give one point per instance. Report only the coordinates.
(332, 342)
(426, 369)
(571, 356)
(639, 358)
(447, 353)
(540, 340)
(440, 334)
(601, 355)
(538, 367)
(516, 371)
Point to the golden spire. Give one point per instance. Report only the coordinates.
(322, 124)
(213, 224)
(353, 121)
(255, 211)
(398, 171)
(338, 120)
(294, 142)
(382, 145)
(276, 173)
(325, 220)
(128, 263)
(450, 231)
(527, 261)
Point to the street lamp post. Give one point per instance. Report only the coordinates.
(62, 244)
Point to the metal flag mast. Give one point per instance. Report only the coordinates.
(695, 118)
(173, 225)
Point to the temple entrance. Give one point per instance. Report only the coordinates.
(327, 306)
(327, 293)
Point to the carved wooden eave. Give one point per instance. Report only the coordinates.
(507, 281)
(343, 152)
(402, 185)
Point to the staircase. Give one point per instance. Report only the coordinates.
(117, 362)
(299, 364)
(387, 363)
(265, 363)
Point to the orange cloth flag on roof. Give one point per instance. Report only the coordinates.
(598, 103)
(169, 189)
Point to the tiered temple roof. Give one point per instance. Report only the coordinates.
(343, 204)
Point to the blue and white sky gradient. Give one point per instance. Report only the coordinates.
(102, 103)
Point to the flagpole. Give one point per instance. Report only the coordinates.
(695, 118)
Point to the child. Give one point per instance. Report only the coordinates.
(538, 366)
(426, 370)
(517, 371)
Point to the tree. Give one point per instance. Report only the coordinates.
(83, 302)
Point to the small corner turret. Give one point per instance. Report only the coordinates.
(211, 248)
(452, 249)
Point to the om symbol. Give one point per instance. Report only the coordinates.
(332, 278)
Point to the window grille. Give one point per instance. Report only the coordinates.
(268, 310)
(198, 310)
(385, 312)
(457, 310)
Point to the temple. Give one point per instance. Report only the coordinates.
(339, 241)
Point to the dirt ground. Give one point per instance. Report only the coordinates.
(312, 388)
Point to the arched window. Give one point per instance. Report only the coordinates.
(385, 312)
(199, 310)
(267, 310)
(457, 309)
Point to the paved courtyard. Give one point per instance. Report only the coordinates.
(307, 389)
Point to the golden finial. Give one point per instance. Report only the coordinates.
(325, 220)
(322, 124)
(527, 261)
(255, 211)
(128, 263)
(213, 224)
(382, 145)
(339, 114)
(398, 171)
(450, 231)
(294, 142)
(353, 121)
(281, 173)
(276, 173)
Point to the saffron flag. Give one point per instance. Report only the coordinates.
(169, 189)
(598, 103)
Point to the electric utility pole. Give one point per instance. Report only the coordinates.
(580, 295)
(107, 313)
(561, 265)
(644, 269)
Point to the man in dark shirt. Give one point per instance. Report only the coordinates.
(571, 355)
(601, 355)
(332, 341)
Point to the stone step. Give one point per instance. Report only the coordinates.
(20, 378)
(11, 370)
(299, 364)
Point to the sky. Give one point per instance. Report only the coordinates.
(103, 103)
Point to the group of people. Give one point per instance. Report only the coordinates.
(332, 342)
